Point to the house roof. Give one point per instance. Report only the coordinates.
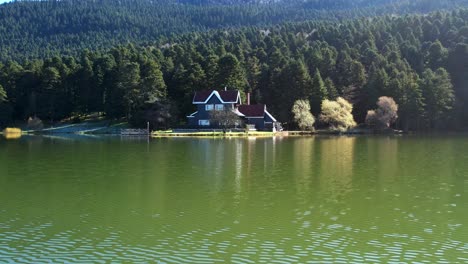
(237, 112)
(193, 114)
(225, 96)
(257, 110)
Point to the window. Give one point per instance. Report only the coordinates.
(208, 107)
(203, 122)
(219, 107)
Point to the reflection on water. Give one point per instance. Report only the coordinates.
(336, 161)
(288, 200)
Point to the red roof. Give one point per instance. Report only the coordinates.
(257, 110)
(226, 96)
(229, 96)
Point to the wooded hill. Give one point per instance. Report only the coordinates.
(419, 60)
(40, 29)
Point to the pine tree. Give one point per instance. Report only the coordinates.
(5, 109)
(376, 87)
(331, 89)
(210, 66)
(85, 84)
(3, 95)
(197, 77)
(153, 87)
(291, 83)
(253, 73)
(318, 94)
(49, 94)
(439, 97)
(436, 56)
(457, 65)
(129, 82)
(408, 95)
(230, 73)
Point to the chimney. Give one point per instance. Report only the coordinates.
(248, 98)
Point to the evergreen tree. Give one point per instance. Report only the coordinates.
(457, 67)
(407, 93)
(3, 95)
(211, 70)
(153, 87)
(230, 73)
(439, 97)
(436, 56)
(318, 94)
(85, 87)
(5, 110)
(129, 82)
(378, 57)
(253, 73)
(331, 89)
(125, 94)
(197, 77)
(49, 95)
(297, 80)
(377, 86)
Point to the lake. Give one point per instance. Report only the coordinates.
(373, 199)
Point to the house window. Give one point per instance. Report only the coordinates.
(203, 122)
(209, 107)
(219, 107)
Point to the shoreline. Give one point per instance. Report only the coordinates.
(235, 134)
(220, 135)
(293, 133)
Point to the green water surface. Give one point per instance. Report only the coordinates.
(375, 199)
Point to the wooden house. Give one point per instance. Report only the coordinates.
(208, 101)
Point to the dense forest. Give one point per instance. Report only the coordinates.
(39, 29)
(419, 60)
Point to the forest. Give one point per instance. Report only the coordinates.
(43, 29)
(419, 60)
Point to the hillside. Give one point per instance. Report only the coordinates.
(419, 60)
(40, 29)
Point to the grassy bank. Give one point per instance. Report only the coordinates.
(170, 133)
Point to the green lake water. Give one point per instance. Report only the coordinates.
(274, 200)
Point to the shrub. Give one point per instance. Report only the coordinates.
(302, 115)
(12, 130)
(338, 114)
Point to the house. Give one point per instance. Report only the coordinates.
(207, 101)
(257, 115)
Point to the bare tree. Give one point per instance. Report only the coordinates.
(224, 119)
(385, 115)
(35, 123)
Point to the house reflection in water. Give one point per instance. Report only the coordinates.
(234, 161)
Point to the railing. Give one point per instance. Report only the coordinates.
(132, 131)
(250, 127)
